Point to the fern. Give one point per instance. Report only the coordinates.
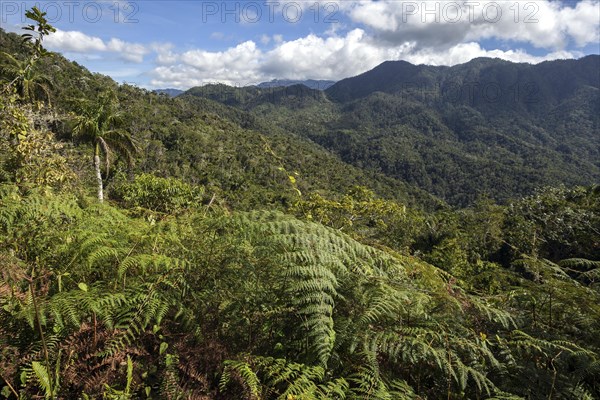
(269, 378)
(243, 370)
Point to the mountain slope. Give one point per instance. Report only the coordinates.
(169, 92)
(192, 283)
(485, 127)
(243, 160)
(310, 83)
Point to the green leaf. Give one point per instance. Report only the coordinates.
(5, 391)
(163, 347)
(43, 378)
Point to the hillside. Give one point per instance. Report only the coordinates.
(169, 92)
(243, 160)
(180, 248)
(310, 83)
(485, 127)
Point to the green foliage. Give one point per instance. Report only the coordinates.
(165, 293)
(31, 154)
(302, 310)
(24, 75)
(556, 223)
(165, 195)
(365, 217)
(96, 123)
(439, 128)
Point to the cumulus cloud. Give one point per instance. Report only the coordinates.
(198, 67)
(74, 41)
(328, 58)
(370, 32)
(164, 53)
(464, 52)
(320, 58)
(244, 56)
(179, 76)
(544, 24)
(308, 57)
(128, 51)
(582, 22)
(78, 42)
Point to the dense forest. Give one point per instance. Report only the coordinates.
(487, 127)
(295, 243)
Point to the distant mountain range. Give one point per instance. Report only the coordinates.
(310, 83)
(170, 92)
(487, 127)
(275, 83)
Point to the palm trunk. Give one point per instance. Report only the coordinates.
(98, 173)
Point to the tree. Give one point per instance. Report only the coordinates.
(29, 82)
(97, 123)
(23, 74)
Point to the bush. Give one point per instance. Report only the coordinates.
(166, 195)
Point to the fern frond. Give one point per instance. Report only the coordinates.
(248, 378)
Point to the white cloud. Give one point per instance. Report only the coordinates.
(74, 41)
(421, 32)
(317, 57)
(198, 67)
(265, 39)
(543, 24)
(164, 53)
(178, 76)
(583, 22)
(236, 59)
(128, 51)
(328, 58)
(78, 42)
(465, 52)
(307, 57)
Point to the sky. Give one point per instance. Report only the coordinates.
(181, 44)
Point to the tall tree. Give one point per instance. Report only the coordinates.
(98, 123)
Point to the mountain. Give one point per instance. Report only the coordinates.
(484, 128)
(310, 83)
(203, 142)
(488, 85)
(247, 98)
(170, 92)
(236, 258)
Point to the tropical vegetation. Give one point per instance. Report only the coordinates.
(232, 258)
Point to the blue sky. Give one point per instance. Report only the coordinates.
(158, 44)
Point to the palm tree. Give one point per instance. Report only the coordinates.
(97, 123)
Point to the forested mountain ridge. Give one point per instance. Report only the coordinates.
(318, 84)
(202, 142)
(171, 92)
(493, 81)
(487, 126)
(232, 259)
